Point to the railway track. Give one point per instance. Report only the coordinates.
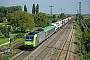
(48, 48)
(4, 51)
(40, 55)
(63, 53)
(21, 56)
(17, 46)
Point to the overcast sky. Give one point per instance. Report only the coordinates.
(70, 6)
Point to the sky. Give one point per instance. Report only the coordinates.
(68, 6)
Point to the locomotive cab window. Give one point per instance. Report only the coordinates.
(29, 38)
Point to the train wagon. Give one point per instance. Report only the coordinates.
(63, 22)
(60, 23)
(66, 20)
(56, 27)
(49, 30)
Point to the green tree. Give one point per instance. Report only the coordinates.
(5, 10)
(33, 9)
(12, 9)
(37, 8)
(58, 16)
(54, 16)
(4, 31)
(42, 20)
(68, 15)
(62, 16)
(1, 17)
(22, 20)
(8, 16)
(25, 8)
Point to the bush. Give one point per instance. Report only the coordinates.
(1, 20)
(54, 20)
(0, 34)
(20, 35)
(4, 31)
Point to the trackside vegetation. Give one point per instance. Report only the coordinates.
(82, 27)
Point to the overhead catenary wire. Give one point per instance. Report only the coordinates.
(65, 8)
(71, 6)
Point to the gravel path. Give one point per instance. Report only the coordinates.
(4, 43)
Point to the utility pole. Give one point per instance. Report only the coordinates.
(79, 7)
(79, 11)
(9, 31)
(80, 27)
(51, 13)
(77, 16)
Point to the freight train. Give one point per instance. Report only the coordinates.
(35, 38)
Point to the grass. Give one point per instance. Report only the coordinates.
(9, 55)
(6, 57)
(4, 46)
(86, 17)
(55, 52)
(4, 23)
(3, 40)
(16, 42)
(12, 35)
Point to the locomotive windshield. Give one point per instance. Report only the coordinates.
(29, 38)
